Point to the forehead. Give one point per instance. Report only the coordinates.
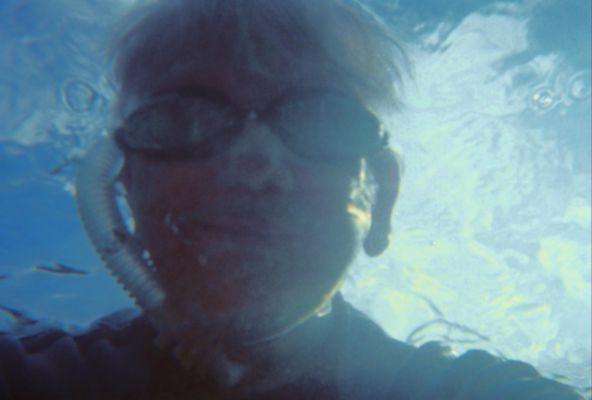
(235, 81)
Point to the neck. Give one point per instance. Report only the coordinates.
(276, 360)
(236, 370)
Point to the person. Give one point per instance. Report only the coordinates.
(249, 151)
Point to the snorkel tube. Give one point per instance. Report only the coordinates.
(99, 213)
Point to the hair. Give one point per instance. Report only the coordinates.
(289, 40)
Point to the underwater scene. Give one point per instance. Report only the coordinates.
(491, 233)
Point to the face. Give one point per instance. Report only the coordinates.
(252, 238)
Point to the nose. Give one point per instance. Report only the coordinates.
(257, 160)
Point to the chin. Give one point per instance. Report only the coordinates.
(255, 286)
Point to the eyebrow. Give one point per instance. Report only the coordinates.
(216, 96)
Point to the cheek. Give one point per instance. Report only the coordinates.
(314, 209)
(325, 189)
(156, 189)
(311, 246)
(176, 186)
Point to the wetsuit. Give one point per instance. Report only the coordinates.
(116, 359)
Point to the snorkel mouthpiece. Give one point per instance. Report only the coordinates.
(100, 216)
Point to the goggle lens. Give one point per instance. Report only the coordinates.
(328, 127)
(323, 127)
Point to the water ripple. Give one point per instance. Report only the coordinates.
(579, 85)
(79, 96)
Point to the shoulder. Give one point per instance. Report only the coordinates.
(47, 362)
(374, 365)
(433, 373)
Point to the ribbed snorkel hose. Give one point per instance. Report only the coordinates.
(97, 206)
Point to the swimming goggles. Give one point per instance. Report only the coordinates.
(323, 126)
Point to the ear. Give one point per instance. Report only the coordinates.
(385, 167)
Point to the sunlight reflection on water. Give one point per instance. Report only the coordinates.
(492, 231)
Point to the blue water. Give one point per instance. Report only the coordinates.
(492, 231)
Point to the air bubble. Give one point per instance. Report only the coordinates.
(579, 86)
(79, 96)
(543, 98)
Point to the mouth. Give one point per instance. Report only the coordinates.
(238, 228)
(248, 227)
